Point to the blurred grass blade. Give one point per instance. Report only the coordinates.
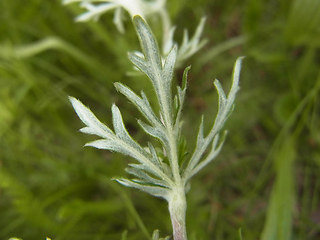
(280, 212)
(25, 203)
(220, 48)
(303, 22)
(240, 234)
(49, 43)
(124, 235)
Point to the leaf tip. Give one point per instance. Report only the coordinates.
(72, 99)
(185, 76)
(117, 86)
(75, 102)
(115, 109)
(216, 82)
(138, 20)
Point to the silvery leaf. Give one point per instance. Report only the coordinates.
(152, 190)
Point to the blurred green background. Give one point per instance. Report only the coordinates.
(265, 183)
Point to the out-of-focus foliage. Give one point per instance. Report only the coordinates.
(267, 173)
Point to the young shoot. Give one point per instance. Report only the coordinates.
(157, 170)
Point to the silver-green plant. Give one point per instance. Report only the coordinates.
(146, 9)
(158, 171)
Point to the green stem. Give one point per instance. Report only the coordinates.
(177, 209)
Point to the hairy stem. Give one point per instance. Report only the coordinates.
(177, 209)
